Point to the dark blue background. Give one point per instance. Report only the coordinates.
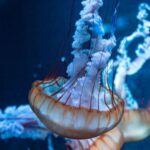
(31, 34)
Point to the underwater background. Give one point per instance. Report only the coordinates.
(31, 34)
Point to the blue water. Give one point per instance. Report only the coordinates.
(31, 33)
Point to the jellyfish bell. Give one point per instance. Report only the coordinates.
(134, 126)
(74, 118)
(81, 106)
(112, 140)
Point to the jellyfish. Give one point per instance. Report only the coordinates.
(83, 105)
(134, 126)
(111, 140)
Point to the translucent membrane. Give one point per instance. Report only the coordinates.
(83, 118)
(134, 126)
(111, 140)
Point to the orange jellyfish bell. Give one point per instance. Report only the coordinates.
(134, 126)
(79, 121)
(82, 106)
(112, 140)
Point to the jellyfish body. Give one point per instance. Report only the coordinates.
(82, 106)
(79, 122)
(111, 140)
(134, 126)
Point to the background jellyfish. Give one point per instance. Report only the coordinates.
(38, 65)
